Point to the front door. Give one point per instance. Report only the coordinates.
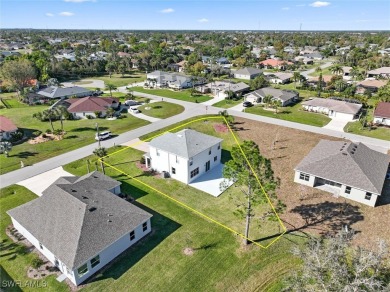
(208, 165)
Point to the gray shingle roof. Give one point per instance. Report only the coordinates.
(336, 105)
(65, 222)
(57, 92)
(186, 143)
(283, 95)
(248, 71)
(351, 164)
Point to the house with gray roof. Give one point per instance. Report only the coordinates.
(55, 92)
(184, 155)
(172, 80)
(80, 224)
(285, 97)
(247, 73)
(221, 88)
(334, 108)
(350, 170)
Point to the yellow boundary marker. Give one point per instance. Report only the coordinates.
(192, 209)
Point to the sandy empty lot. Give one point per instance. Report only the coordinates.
(308, 209)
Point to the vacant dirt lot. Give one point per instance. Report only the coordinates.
(310, 210)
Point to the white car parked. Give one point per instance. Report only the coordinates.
(133, 110)
(103, 135)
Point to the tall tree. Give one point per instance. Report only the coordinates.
(51, 114)
(18, 73)
(336, 69)
(101, 152)
(296, 77)
(247, 171)
(110, 87)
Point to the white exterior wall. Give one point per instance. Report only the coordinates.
(242, 76)
(116, 190)
(343, 116)
(83, 115)
(332, 114)
(382, 121)
(201, 159)
(356, 195)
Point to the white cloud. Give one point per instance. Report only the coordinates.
(203, 20)
(319, 4)
(286, 8)
(49, 14)
(79, 1)
(167, 10)
(66, 13)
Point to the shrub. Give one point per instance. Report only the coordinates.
(16, 136)
(98, 114)
(36, 133)
(48, 131)
(2, 106)
(57, 132)
(44, 136)
(36, 262)
(142, 160)
(89, 117)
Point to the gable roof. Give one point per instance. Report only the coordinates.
(186, 143)
(382, 70)
(77, 217)
(283, 95)
(274, 63)
(248, 71)
(336, 105)
(6, 125)
(90, 104)
(57, 92)
(351, 164)
(372, 83)
(382, 110)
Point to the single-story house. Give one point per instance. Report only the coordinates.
(304, 60)
(185, 155)
(371, 85)
(80, 224)
(314, 56)
(285, 97)
(80, 108)
(221, 88)
(172, 80)
(351, 170)
(279, 77)
(247, 73)
(334, 108)
(54, 92)
(383, 72)
(382, 114)
(7, 127)
(273, 63)
(326, 79)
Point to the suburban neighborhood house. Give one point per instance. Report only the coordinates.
(350, 170)
(382, 114)
(171, 80)
(80, 108)
(247, 73)
(371, 85)
(279, 77)
(285, 97)
(273, 63)
(380, 72)
(54, 92)
(80, 224)
(185, 155)
(333, 108)
(221, 88)
(7, 127)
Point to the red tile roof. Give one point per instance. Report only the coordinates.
(382, 110)
(6, 125)
(90, 104)
(274, 63)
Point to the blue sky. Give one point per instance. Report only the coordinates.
(203, 14)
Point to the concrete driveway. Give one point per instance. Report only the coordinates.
(209, 182)
(238, 108)
(137, 144)
(37, 184)
(94, 83)
(336, 125)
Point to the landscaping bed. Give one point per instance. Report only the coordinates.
(161, 109)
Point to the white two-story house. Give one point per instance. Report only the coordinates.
(184, 155)
(80, 224)
(350, 170)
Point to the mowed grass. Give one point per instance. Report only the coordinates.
(161, 109)
(227, 103)
(14, 261)
(78, 133)
(377, 132)
(293, 114)
(116, 79)
(181, 95)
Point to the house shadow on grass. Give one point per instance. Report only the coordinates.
(91, 129)
(328, 218)
(162, 227)
(24, 154)
(384, 198)
(7, 283)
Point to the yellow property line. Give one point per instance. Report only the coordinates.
(188, 207)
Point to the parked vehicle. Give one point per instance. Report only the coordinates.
(130, 102)
(103, 135)
(134, 110)
(247, 104)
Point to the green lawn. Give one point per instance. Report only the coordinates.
(10, 99)
(181, 95)
(161, 109)
(79, 133)
(227, 103)
(116, 79)
(293, 114)
(14, 261)
(291, 86)
(324, 71)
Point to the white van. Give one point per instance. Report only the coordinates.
(103, 135)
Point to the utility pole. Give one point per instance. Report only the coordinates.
(97, 133)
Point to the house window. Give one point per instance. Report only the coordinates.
(219, 147)
(173, 170)
(191, 161)
(144, 226)
(195, 172)
(82, 270)
(215, 158)
(347, 190)
(157, 152)
(210, 151)
(84, 114)
(304, 176)
(368, 196)
(132, 235)
(40, 246)
(177, 159)
(95, 261)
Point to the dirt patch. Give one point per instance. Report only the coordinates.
(147, 170)
(188, 251)
(43, 139)
(221, 128)
(309, 209)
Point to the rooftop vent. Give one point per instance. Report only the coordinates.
(345, 154)
(84, 197)
(92, 209)
(109, 215)
(109, 221)
(74, 191)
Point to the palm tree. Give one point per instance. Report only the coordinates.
(5, 147)
(296, 77)
(336, 69)
(354, 73)
(50, 114)
(110, 87)
(110, 112)
(267, 99)
(318, 69)
(340, 85)
(319, 84)
(276, 104)
(101, 152)
(62, 111)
